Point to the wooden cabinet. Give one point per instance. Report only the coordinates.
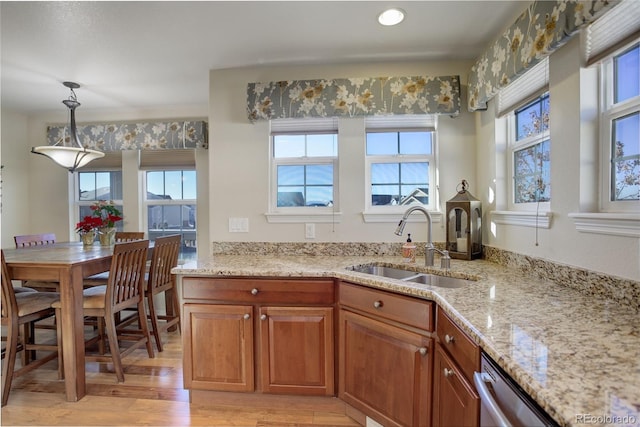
(385, 355)
(218, 350)
(271, 335)
(455, 401)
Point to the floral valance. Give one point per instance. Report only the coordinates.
(353, 97)
(168, 135)
(541, 29)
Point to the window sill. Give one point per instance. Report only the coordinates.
(397, 216)
(523, 219)
(614, 224)
(283, 218)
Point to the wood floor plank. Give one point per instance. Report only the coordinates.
(153, 395)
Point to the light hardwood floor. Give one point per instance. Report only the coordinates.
(152, 395)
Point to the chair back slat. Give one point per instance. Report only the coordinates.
(9, 303)
(128, 236)
(163, 259)
(34, 239)
(125, 286)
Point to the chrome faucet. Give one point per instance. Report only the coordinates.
(445, 261)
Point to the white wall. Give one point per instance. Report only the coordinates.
(573, 181)
(39, 192)
(239, 179)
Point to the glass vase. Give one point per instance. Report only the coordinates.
(88, 237)
(107, 236)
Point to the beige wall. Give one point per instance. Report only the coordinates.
(239, 157)
(573, 128)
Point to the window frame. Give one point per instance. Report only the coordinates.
(146, 202)
(119, 203)
(609, 112)
(514, 145)
(303, 213)
(430, 159)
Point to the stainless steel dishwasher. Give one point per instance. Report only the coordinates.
(502, 402)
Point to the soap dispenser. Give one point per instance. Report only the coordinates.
(409, 250)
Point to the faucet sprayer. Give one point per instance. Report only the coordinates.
(445, 261)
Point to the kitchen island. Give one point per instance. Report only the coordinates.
(577, 355)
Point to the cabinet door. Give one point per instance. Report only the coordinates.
(297, 350)
(455, 401)
(385, 371)
(218, 347)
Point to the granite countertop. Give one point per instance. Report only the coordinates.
(577, 355)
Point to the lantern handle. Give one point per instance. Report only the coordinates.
(464, 184)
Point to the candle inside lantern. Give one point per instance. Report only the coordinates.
(461, 244)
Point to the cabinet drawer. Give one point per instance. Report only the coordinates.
(399, 308)
(280, 291)
(462, 349)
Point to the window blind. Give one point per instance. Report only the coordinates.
(167, 159)
(111, 160)
(306, 125)
(394, 122)
(616, 28)
(527, 87)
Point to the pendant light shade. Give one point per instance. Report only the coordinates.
(74, 156)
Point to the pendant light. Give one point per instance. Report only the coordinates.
(74, 156)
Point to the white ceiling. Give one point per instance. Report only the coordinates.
(136, 55)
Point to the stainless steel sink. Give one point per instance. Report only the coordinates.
(439, 281)
(390, 272)
(412, 276)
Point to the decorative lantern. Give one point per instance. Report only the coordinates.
(464, 224)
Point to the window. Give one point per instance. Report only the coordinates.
(400, 162)
(303, 164)
(531, 152)
(99, 185)
(171, 205)
(620, 163)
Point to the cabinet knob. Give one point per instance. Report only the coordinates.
(247, 316)
(377, 304)
(423, 351)
(254, 291)
(448, 372)
(448, 339)
(263, 317)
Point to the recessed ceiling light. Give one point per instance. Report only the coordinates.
(391, 17)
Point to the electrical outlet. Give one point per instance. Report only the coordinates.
(238, 225)
(310, 231)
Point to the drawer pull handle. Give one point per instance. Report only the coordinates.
(448, 372)
(263, 317)
(449, 339)
(423, 351)
(254, 291)
(247, 316)
(377, 304)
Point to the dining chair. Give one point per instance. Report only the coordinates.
(22, 310)
(128, 236)
(124, 289)
(161, 281)
(28, 240)
(120, 236)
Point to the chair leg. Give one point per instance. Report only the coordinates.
(9, 362)
(114, 348)
(155, 328)
(59, 341)
(142, 319)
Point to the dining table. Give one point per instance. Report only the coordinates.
(67, 263)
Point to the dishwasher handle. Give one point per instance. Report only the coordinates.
(481, 379)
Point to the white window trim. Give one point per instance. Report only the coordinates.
(523, 219)
(610, 112)
(319, 214)
(512, 147)
(171, 202)
(373, 214)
